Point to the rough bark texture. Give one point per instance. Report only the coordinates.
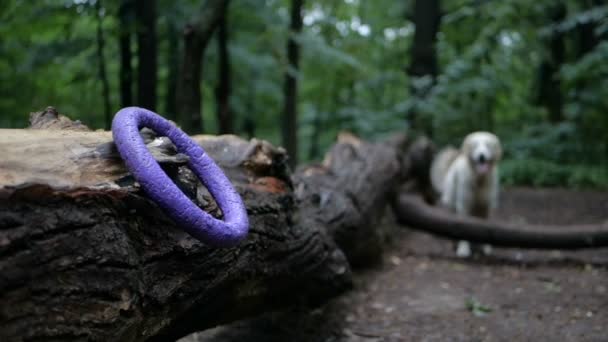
(290, 111)
(90, 257)
(349, 192)
(196, 37)
(145, 11)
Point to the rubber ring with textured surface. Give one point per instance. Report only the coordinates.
(161, 189)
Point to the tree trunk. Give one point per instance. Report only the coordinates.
(145, 11)
(249, 115)
(427, 16)
(103, 77)
(550, 93)
(125, 28)
(290, 112)
(196, 37)
(173, 66)
(222, 92)
(587, 39)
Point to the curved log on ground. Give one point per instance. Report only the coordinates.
(85, 255)
(411, 211)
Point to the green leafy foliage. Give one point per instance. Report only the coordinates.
(476, 308)
(352, 76)
(542, 173)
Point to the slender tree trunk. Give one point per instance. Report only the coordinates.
(196, 37)
(249, 121)
(223, 90)
(290, 114)
(173, 66)
(145, 11)
(550, 93)
(125, 28)
(105, 88)
(427, 15)
(587, 39)
(188, 97)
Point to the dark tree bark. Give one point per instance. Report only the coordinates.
(223, 90)
(196, 38)
(173, 66)
(125, 28)
(550, 93)
(103, 77)
(116, 269)
(145, 11)
(587, 40)
(290, 111)
(188, 97)
(427, 16)
(351, 188)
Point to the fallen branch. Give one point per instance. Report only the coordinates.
(411, 211)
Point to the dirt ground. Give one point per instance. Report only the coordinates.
(423, 293)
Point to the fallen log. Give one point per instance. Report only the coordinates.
(85, 255)
(349, 191)
(411, 211)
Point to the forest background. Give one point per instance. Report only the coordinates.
(297, 72)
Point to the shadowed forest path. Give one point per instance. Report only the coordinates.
(423, 293)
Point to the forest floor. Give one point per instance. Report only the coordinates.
(422, 292)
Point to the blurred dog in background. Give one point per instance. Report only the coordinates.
(467, 180)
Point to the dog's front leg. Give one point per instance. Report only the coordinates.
(462, 201)
(494, 192)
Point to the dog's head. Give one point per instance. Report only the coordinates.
(483, 151)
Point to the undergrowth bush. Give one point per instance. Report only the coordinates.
(543, 173)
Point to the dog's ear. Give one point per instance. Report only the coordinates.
(467, 146)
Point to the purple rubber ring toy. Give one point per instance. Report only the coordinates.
(161, 189)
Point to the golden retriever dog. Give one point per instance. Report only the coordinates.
(467, 181)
